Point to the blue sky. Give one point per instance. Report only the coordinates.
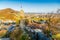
(31, 5)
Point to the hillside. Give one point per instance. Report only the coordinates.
(7, 13)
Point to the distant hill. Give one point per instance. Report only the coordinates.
(7, 13)
(8, 10)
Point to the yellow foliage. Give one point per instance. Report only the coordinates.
(2, 32)
(57, 35)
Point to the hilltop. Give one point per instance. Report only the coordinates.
(8, 10)
(7, 13)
